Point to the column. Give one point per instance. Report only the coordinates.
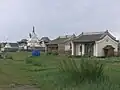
(73, 48)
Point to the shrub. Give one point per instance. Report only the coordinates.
(87, 70)
(1, 57)
(52, 53)
(49, 53)
(69, 56)
(55, 53)
(101, 57)
(8, 57)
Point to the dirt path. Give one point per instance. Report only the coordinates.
(25, 87)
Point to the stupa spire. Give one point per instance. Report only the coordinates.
(33, 29)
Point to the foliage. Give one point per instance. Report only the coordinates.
(87, 70)
(48, 53)
(72, 56)
(52, 53)
(55, 53)
(9, 57)
(48, 77)
(1, 57)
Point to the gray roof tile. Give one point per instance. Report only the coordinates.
(46, 39)
(92, 36)
(14, 44)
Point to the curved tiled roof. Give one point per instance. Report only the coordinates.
(46, 39)
(92, 36)
(62, 39)
(57, 41)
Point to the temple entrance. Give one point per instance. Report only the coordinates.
(108, 51)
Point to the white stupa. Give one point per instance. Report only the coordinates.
(33, 40)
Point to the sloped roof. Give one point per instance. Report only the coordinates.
(57, 41)
(61, 39)
(45, 39)
(24, 40)
(92, 36)
(87, 38)
(70, 38)
(13, 44)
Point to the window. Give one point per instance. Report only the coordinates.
(80, 48)
(70, 46)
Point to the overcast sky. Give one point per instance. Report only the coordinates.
(57, 17)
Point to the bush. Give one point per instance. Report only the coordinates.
(55, 53)
(52, 53)
(8, 57)
(1, 57)
(69, 56)
(87, 70)
(49, 53)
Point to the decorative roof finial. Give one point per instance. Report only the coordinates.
(33, 29)
(30, 35)
(107, 30)
(82, 33)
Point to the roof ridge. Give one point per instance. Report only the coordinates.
(92, 33)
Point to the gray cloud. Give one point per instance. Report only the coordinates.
(57, 17)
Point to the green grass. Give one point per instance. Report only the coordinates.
(19, 55)
(43, 72)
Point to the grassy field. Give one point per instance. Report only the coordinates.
(43, 72)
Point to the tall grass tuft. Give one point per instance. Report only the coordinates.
(84, 70)
(91, 70)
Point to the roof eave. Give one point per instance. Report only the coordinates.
(83, 41)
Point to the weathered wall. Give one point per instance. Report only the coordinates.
(102, 43)
(61, 48)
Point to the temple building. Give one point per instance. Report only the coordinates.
(35, 43)
(33, 40)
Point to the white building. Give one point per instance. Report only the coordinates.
(33, 40)
(9, 47)
(93, 44)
